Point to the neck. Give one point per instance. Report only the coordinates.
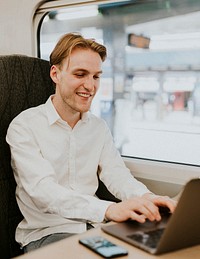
(66, 113)
(72, 121)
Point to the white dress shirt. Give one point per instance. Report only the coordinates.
(55, 168)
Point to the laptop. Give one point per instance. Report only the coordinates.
(175, 231)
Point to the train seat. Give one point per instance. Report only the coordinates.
(24, 82)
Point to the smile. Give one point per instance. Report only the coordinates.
(83, 95)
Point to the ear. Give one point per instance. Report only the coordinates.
(54, 73)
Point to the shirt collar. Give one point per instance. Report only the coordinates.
(53, 116)
(85, 116)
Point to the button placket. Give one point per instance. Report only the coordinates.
(72, 156)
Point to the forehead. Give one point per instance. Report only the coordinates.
(83, 59)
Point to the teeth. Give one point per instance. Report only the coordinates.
(84, 95)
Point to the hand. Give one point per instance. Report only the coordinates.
(138, 208)
(164, 201)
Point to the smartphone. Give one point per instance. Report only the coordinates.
(103, 247)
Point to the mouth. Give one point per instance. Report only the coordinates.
(85, 95)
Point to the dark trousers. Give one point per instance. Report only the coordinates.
(48, 240)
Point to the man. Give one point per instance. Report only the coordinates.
(57, 149)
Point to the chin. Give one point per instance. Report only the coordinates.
(84, 108)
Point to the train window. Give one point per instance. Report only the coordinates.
(150, 89)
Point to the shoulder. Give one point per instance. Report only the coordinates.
(27, 116)
(97, 120)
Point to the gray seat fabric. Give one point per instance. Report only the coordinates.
(24, 83)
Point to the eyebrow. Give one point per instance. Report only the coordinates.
(85, 70)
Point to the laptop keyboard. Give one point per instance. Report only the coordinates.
(148, 238)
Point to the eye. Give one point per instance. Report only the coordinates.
(79, 75)
(96, 77)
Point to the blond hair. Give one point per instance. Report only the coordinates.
(71, 41)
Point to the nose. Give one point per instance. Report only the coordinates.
(89, 83)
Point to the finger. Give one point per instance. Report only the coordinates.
(152, 211)
(166, 202)
(171, 205)
(138, 217)
(148, 209)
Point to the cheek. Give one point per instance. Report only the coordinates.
(68, 86)
(75, 81)
(97, 86)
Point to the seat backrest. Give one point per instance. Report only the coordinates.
(24, 83)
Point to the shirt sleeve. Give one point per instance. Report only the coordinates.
(37, 181)
(114, 173)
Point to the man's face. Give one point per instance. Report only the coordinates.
(77, 81)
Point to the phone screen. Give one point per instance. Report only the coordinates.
(103, 247)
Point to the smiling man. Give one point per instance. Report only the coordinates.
(59, 147)
(77, 81)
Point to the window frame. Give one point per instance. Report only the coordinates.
(150, 171)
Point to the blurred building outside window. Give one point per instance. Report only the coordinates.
(150, 89)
